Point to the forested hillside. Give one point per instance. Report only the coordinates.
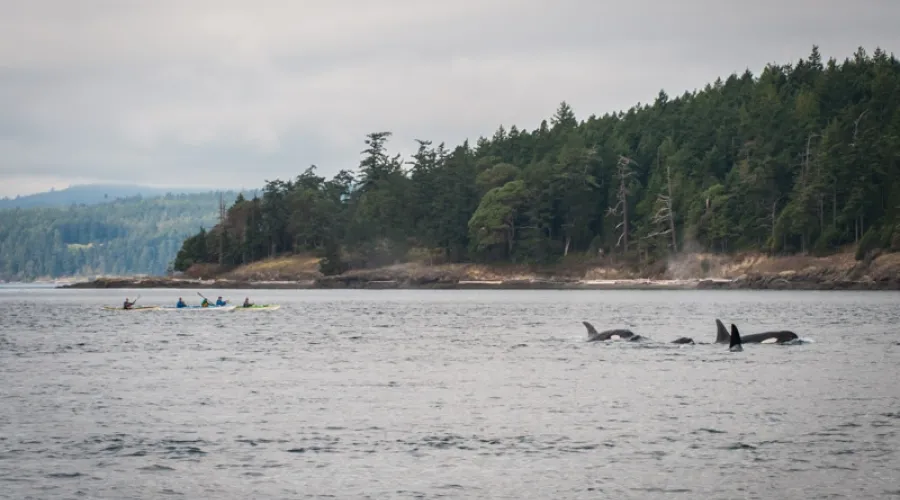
(89, 194)
(130, 236)
(802, 158)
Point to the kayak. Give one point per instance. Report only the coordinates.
(197, 308)
(135, 308)
(259, 307)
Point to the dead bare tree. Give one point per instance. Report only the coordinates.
(664, 218)
(223, 215)
(804, 166)
(624, 173)
(856, 127)
(588, 155)
(858, 222)
(668, 211)
(770, 220)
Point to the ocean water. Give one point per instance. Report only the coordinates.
(447, 394)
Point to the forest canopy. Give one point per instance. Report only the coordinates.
(132, 235)
(801, 158)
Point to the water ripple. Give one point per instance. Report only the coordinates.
(396, 394)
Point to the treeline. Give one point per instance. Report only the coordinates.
(89, 194)
(134, 235)
(802, 158)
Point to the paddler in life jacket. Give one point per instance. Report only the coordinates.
(205, 303)
(180, 303)
(127, 304)
(247, 302)
(220, 302)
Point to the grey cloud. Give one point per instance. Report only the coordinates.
(179, 89)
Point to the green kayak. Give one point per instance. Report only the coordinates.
(258, 307)
(135, 308)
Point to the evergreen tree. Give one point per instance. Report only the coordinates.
(805, 157)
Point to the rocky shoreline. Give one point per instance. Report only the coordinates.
(687, 272)
(338, 282)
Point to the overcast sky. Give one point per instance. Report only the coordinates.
(228, 93)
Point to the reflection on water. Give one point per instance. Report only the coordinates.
(450, 394)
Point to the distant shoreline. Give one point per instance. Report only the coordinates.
(757, 283)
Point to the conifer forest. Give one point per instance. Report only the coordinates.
(801, 158)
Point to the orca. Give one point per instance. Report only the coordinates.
(615, 334)
(774, 337)
(734, 343)
(622, 334)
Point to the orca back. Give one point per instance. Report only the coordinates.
(776, 337)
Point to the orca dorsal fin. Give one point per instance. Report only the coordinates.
(590, 328)
(722, 335)
(735, 342)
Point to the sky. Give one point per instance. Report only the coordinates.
(231, 93)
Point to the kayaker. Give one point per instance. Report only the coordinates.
(205, 303)
(127, 304)
(247, 302)
(220, 302)
(180, 303)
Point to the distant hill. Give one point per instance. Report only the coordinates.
(91, 194)
(133, 235)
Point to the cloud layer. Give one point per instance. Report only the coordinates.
(229, 93)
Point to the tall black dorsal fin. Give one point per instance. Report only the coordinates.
(735, 339)
(722, 335)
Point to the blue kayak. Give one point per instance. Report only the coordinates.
(197, 308)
